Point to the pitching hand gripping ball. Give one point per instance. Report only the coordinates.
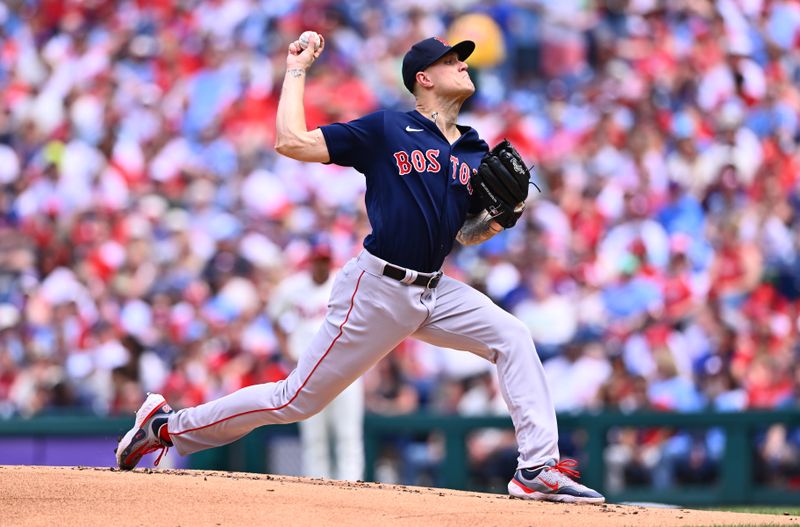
(305, 39)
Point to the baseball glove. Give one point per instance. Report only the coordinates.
(502, 184)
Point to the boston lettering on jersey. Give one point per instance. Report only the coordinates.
(429, 162)
(418, 184)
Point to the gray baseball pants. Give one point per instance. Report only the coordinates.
(369, 315)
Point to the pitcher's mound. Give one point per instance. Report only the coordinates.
(64, 496)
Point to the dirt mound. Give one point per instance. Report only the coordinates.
(93, 496)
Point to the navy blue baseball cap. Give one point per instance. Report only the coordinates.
(426, 52)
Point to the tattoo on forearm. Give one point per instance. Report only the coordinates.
(296, 72)
(476, 229)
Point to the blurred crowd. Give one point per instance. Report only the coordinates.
(145, 218)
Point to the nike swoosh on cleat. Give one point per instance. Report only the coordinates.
(552, 486)
(409, 129)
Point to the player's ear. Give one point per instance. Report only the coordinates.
(424, 79)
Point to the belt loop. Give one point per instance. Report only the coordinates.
(411, 276)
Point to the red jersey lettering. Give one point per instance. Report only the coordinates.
(403, 166)
(463, 173)
(433, 162)
(454, 162)
(418, 160)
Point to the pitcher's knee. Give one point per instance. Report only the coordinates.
(516, 333)
(516, 336)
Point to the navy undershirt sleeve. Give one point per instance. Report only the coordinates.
(353, 144)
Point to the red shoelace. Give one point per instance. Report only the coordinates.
(567, 466)
(163, 448)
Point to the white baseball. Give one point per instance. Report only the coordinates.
(305, 39)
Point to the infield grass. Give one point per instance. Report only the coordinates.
(757, 509)
(785, 510)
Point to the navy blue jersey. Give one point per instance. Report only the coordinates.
(418, 184)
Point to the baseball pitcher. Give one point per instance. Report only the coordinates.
(430, 182)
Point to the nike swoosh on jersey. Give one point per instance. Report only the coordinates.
(409, 129)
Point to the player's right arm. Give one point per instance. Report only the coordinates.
(292, 139)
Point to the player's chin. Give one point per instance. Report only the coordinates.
(466, 90)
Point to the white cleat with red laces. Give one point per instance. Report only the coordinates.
(552, 482)
(143, 438)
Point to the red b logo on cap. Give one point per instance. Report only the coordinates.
(442, 41)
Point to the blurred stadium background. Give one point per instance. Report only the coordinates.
(145, 220)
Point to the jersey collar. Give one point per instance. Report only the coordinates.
(430, 125)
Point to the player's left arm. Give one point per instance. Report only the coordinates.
(500, 188)
(477, 228)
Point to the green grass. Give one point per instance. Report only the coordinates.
(761, 509)
(757, 509)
